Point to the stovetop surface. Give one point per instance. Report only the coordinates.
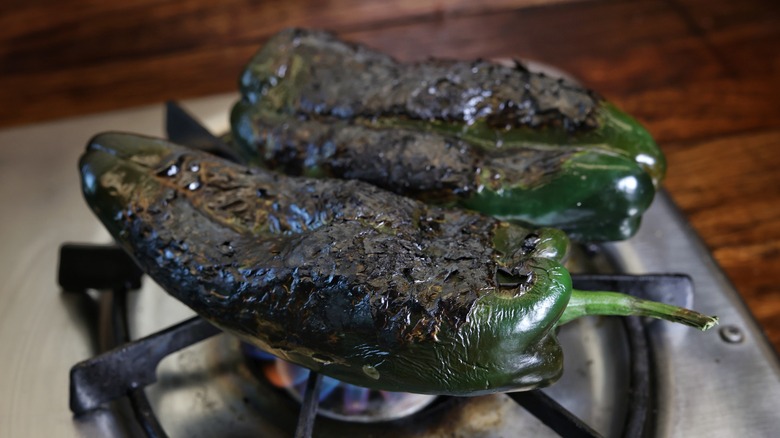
(712, 383)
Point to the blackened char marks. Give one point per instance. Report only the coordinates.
(402, 160)
(377, 86)
(302, 245)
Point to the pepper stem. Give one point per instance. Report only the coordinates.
(584, 303)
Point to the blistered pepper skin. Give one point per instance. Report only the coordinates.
(338, 276)
(501, 140)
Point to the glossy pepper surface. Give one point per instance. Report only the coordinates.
(339, 276)
(500, 140)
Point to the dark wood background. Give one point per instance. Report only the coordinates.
(703, 75)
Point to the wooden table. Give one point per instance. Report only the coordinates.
(703, 75)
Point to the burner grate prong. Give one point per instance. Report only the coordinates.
(89, 266)
(309, 406)
(115, 373)
(551, 413)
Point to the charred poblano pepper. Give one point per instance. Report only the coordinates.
(345, 278)
(500, 140)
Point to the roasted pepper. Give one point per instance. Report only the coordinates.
(500, 140)
(345, 278)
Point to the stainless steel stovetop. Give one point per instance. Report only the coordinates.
(724, 382)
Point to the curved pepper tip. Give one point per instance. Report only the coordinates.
(627, 134)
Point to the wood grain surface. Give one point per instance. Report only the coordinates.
(702, 75)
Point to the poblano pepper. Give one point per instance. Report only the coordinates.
(345, 278)
(500, 140)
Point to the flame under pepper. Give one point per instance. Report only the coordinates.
(500, 140)
(344, 278)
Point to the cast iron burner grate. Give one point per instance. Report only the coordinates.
(127, 367)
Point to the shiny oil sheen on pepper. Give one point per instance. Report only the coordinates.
(345, 278)
(500, 140)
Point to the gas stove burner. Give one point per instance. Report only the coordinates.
(336, 399)
(128, 368)
(719, 383)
